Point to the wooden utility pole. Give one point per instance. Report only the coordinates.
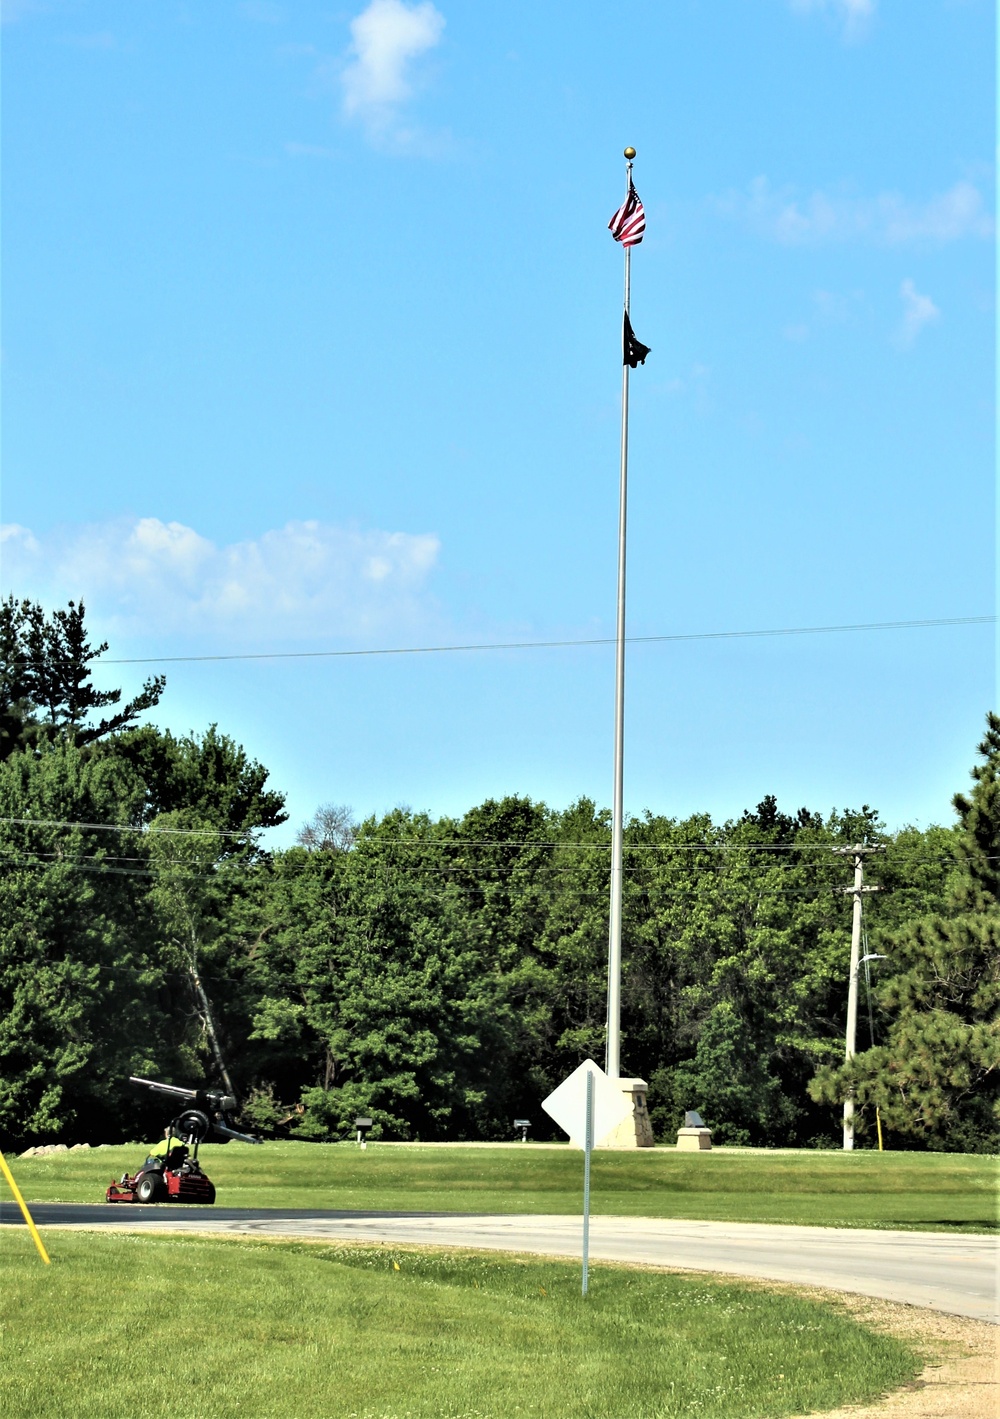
(859, 851)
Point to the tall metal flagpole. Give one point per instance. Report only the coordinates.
(613, 1055)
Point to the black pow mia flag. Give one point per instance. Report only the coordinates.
(634, 352)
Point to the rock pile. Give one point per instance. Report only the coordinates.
(45, 1150)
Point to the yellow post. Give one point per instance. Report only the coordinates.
(878, 1125)
(24, 1208)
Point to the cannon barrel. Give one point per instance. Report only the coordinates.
(212, 1099)
(215, 1105)
(171, 1089)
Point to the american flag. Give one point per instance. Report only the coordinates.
(628, 225)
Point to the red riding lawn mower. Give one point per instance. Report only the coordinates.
(177, 1176)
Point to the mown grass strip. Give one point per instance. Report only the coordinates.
(163, 1326)
(863, 1189)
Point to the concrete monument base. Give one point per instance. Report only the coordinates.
(635, 1131)
(694, 1140)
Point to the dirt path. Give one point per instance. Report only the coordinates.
(961, 1375)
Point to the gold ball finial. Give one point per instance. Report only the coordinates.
(630, 153)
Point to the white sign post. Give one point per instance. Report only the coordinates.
(588, 1148)
(588, 1106)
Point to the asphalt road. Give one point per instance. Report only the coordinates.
(957, 1274)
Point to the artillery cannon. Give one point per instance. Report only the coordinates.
(174, 1173)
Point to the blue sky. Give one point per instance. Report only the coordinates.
(311, 342)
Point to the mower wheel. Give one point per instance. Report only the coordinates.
(149, 1188)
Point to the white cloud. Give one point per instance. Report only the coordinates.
(854, 15)
(918, 311)
(956, 213)
(386, 39)
(303, 580)
(20, 540)
(888, 219)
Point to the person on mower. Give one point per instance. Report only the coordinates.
(170, 1151)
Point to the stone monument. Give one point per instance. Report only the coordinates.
(635, 1130)
(694, 1137)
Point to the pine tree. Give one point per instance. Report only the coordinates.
(936, 1078)
(45, 680)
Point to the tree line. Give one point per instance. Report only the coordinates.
(442, 974)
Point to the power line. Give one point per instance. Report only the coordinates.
(456, 877)
(127, 828)
(777, 848)
(101, 867)
(556, 645)
(521, 843)
(725, 892)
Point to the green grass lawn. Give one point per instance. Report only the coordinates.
(860, 1189)
(159, 1326)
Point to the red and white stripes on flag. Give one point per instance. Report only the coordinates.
(628, 225)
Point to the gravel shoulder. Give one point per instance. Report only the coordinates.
(961, 1374)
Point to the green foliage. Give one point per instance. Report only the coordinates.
(45, 686)
(208, 777)
(747, 1099)
(104, 928)
(378, 975)
(443, 975)
(79, 977)
(978, 886)
(262, 1112)
(736, 957)
(935, 1079)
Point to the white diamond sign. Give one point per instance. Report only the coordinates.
(568, 1104)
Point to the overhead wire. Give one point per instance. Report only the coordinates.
(110, 864)
(102, 869)
(724, 894)
(724, 886)
(129, 828)
(925, 624)
(491, 646)
(523, 844)
(489, 876)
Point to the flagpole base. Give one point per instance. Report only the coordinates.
(635, 1130)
